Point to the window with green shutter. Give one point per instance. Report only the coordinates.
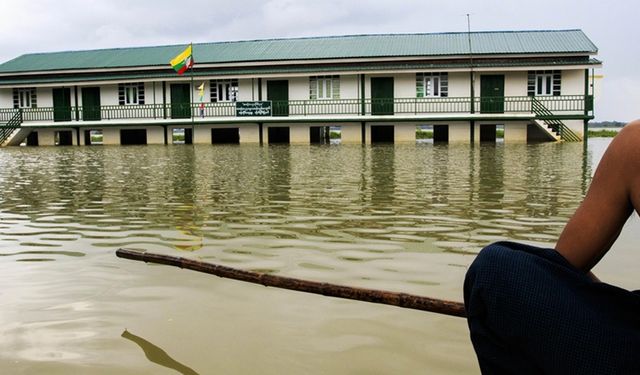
(544, 82)
(131, 93)
(25, 98)
(324, 87)
(432, 85)
(223, 90)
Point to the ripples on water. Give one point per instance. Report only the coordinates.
(403, 217)
(253, 199)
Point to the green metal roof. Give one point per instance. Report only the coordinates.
(338, 47)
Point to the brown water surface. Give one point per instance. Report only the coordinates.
(406, 218)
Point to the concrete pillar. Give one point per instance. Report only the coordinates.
(82, 130)
(515, 132)
(111, 136)
(155, 135)
(249, 133)
(351, 133)
(299, 133)
(459, 132)
(367, 134)
(201, 135)
(476, 133)
(405, 133)
(169, 135)
(46, 137)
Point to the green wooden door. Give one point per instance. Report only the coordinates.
(382, 95)
(62, 104)
(180, 101)
(492, 94)
(91, 103)
(278, 94)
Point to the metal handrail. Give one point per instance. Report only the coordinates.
(14, 123)
(316, 107)
(543, 113)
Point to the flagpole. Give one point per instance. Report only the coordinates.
(193, 62)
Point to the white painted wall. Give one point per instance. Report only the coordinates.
(349, 88)
(45, 97)
(111, 136)
(404, 85)
(6, 98)
(459, 132)
(299, 88)
(459, 85)
(515, 84)
(405, 133)
(158, 92)
(201, 135)
(196, 93)
(155, 135)
(351, 133)
(246, 91)
(109, 95)
(299, 133)
(249, 133)
(46, 137)
(572, 82)
(515, 132)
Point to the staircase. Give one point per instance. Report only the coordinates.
(548, 122)
(8, 129)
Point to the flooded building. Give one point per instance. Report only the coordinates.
(532, 85)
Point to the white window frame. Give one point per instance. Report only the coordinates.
(24, 98)
(324, 88)
(544, 84)
(130, 94)
(432, 86)
(226, 90)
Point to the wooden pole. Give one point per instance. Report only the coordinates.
(404, 300)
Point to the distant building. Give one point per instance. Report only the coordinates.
(376, 88)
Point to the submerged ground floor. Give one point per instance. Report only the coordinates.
(293, 133)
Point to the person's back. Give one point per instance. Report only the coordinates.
(533, 310)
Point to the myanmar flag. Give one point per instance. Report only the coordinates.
(183, 61)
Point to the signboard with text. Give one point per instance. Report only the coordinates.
(248, 109)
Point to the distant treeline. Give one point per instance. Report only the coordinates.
(606, 124)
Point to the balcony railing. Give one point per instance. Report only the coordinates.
(572, 104)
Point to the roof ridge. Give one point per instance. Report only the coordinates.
(330, 37)
(391, 34)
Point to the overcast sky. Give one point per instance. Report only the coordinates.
(56, 25)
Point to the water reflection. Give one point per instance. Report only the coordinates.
(408, 218)
(278, 174)
(157, 355)
(191, 197)
(383, 179)
(187, 213)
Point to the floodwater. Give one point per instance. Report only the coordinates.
(406, 218)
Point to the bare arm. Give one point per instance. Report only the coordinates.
(612, 196)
